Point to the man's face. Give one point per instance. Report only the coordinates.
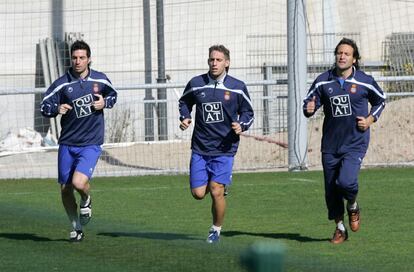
(344, 57)
(217, 64)
(80, 61)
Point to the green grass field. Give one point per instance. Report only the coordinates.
(152, 223)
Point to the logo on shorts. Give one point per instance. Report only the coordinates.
(213, 112)
(83, 106)
(341, 105)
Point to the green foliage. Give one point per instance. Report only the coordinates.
(152, 223)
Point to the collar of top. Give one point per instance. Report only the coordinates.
(335, 76)
(217, 81)
(73, 77)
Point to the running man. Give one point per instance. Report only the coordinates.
(344, 92)
(80, 96)
(223, 111)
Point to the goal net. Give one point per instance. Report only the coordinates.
(142, 134)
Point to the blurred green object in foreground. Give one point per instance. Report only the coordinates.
(263, 257)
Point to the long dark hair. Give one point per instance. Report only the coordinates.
(351, 43)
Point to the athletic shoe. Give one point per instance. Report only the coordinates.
(213, 237)
(339, 236)
(354, 219)
(85, 211)
(76, 236)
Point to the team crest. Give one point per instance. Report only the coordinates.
(226, 95)
(95, 88)
(353, 89)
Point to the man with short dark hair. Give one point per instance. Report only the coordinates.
(80, 96)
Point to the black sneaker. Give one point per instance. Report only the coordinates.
(76, 236)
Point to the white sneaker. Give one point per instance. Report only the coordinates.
(76, 236)
(85, 211)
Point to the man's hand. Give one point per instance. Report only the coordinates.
(310, 107)
(236, 128)
(64, 108)
(185, 123)
(98, 104)
(364, 123)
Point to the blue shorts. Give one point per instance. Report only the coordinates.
(77, 158)
(204, 169)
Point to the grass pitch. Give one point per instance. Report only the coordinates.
(152, 223)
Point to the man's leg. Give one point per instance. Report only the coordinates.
(348, 182)
(218, 206)
(69, 203)
(81, 183)
(87, 158)
(333, 196)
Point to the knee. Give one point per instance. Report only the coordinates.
(217, 190)
(197, 194)
(348, 187)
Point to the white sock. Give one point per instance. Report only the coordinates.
(352, 206)
(215, 228)
(340, 225)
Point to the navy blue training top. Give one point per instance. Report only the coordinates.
(82, 125)
(342, 101)
(218, 104)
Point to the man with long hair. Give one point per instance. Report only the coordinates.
(344, 92)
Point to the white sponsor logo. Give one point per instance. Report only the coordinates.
(341, 105)
(83, 105)
(213, 112)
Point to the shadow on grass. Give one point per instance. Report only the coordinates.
(287, 236)
(149, 235)
(29, 237)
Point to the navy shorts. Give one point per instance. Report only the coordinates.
(204, 169)
(77, 158)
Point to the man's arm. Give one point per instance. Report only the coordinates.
(109, 97)
(185, 104)
(312, 101)
(246, 114)
(49, 107)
